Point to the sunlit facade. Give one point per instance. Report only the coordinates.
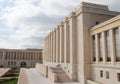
(86, 44)
(20, 58)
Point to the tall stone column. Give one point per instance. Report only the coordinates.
(73, 47)
(104, 47)
(54, 46)
(47, 50)
(61, 43)
(112, 46)
(97, 48)
(66, 42)
(50, 48)
(57, 44)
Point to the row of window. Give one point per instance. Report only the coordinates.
(107, 74)
(107, 42)
(23, 53)
(23, 57)
(12, 63)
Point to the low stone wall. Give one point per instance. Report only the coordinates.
(42, 69)
(23, 79)
(92, 82)
(3, 71)
(51, 75)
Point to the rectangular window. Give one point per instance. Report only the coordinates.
(118, 76)
(116, 31)
(100, 47)
(94, 49)
(107, 74)
(101, 74)
(8, 63)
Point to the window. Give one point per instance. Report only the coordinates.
(100, 47)
(94, 49)
(116, 31)
(107, 74)
(8, 63)
(101, 74)
(11, 63)
(14, 63)
(97, 23)
(118, 76)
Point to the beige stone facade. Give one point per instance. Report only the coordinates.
(86, 44)
(20, 58)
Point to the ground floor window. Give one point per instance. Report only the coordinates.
(101, 74)
(118, 76)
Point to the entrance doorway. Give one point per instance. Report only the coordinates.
(23, 64)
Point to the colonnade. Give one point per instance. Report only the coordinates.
(60, 43)
(107, 53)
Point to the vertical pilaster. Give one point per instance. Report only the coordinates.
(112, 46)
(61, 44)
(73, 47)
(104, 47)
(66, 42)
(52, 46)
(97, 48)
(57, 44)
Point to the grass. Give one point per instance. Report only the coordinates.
(14, 72)
(10, 82)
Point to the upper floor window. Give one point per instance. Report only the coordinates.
(97, 23)
(116, 31)
(107, 33)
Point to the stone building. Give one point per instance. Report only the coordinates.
(86, 45)
(20, 58)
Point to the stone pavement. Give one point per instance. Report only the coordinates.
(31, 76)
(3, 71)
(35, 77)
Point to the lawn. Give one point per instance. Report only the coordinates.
(10, 82)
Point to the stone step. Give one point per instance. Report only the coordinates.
(61, 75)
(63, 78)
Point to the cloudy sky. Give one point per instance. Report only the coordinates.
(25, 23)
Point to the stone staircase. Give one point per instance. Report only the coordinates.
(62, 77)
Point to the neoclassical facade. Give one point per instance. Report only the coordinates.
(20, 58)
(86, 44)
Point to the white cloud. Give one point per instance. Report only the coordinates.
(31, 20)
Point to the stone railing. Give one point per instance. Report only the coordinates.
(51, 75)
(92, 82)
(42, 69)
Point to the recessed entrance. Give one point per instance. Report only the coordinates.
(23, 64)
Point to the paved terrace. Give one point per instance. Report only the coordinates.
(31, 76)
(3, 71)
